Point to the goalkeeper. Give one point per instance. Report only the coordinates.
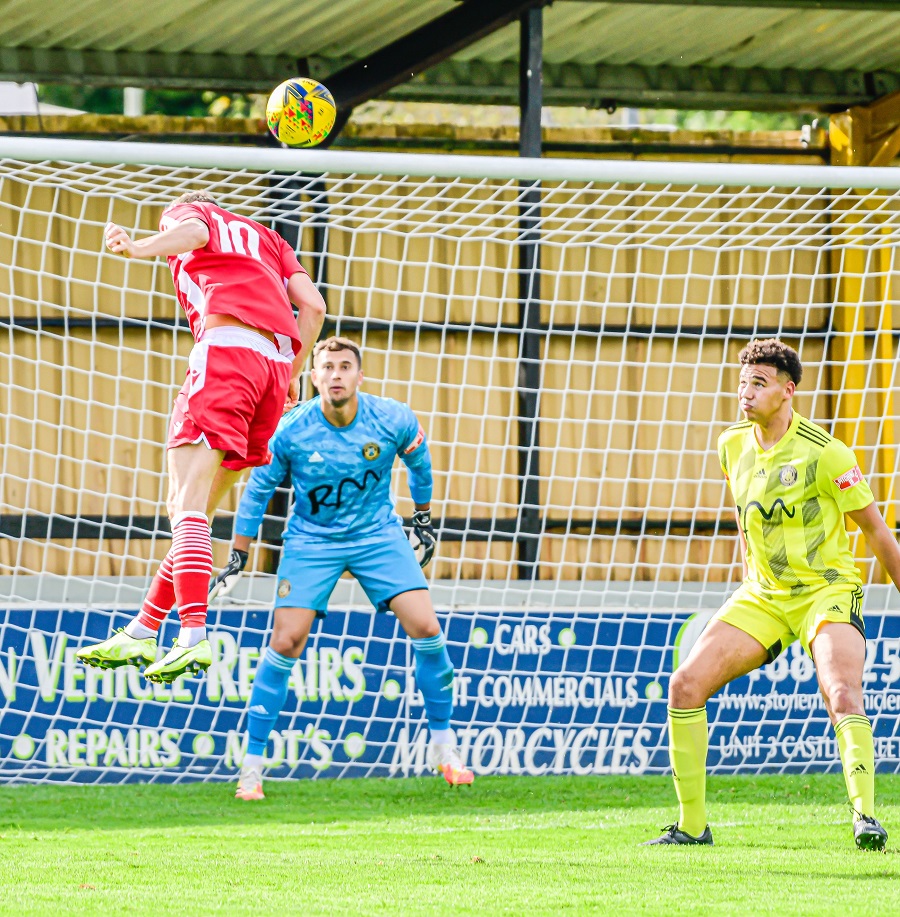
(339, 449)
(793, 483)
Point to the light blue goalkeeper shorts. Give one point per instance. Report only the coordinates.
(310, 568)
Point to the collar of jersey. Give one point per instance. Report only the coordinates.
(331, 426)
(795, 422)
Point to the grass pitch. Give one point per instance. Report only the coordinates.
(507, 845)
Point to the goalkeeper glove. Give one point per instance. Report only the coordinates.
(229, 575)
(422, 536)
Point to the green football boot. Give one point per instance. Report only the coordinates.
(120, 649)
(179, 661)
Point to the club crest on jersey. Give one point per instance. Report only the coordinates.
(787, 475)
(849, 478)
(284, 588)
(371, 451)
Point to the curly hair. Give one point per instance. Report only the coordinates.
(773, 352)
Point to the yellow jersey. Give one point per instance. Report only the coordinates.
(791, 501)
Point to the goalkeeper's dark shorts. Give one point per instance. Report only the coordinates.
(777, 619)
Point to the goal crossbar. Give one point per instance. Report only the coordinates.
(314, 162)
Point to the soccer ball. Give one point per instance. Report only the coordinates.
(300, 112)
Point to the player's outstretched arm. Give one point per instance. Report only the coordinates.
(880, 539)
(182, 237)
(303, 294)
(260, 487)
(417, 458)
(310, 305)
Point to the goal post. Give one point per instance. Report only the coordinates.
(584, 526)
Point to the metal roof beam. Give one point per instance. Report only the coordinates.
(223, 72)
(403, 59)
(611, 86)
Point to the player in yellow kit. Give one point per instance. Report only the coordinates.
(792, 484)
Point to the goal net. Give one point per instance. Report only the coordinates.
(566, 331)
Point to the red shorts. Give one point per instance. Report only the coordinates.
(232, 398)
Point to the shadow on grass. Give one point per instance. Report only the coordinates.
(147, 806)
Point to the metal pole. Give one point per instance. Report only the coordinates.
(529, 375)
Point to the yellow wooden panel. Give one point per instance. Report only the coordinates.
(646, 558)
(93, 558)
(85, 421)
(474, 560)
(465, 402)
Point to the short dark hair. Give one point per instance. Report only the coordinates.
(773, 352)
(334, 344)
(192, 197)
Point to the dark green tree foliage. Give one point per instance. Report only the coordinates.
(103, 100)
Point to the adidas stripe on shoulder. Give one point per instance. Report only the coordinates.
(813, 433)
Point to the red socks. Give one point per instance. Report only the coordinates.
(191, 566)
(183, 576)
(160, 597)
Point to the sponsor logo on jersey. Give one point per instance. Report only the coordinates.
(178, 425)
(328, 496)
(787, 474)
(371, 451)
(284, 588)
(761, 473)
(849, 478)
(315, 457)
(420, 438)
(767, 514)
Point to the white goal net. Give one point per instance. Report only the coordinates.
(567, 333)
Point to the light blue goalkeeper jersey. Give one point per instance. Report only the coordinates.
(341, 475)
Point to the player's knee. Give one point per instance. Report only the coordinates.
(287, 643)
(423, 630)
(844, 699)
(686, 690)
(176, 505)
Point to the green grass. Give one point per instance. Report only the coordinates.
(507, 845)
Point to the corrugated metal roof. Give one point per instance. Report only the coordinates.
(622, 52)
(589, 32)
(331, 28)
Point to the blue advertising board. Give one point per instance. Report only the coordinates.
(537, 692)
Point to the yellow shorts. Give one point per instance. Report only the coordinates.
(777, 621)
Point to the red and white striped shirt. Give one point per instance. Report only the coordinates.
(241, 271)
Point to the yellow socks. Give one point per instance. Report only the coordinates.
(688, 741)
(857, 748)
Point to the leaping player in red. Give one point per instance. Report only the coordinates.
(235, 280)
